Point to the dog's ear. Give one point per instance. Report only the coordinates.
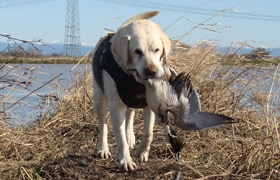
(166, 47)
(120, 50)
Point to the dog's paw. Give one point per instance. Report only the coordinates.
(126, 164)
(142, 151)
(104, 154)
(143, 156)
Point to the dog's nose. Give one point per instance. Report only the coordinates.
(150, 72)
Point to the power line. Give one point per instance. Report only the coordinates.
(195, 10)
(10, 3)
(162, 6)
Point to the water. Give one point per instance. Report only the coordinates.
(17, 81)
(258, 86)
(20, 80)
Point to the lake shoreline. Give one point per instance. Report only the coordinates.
(41, 60)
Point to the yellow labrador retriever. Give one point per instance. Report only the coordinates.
(122, 62)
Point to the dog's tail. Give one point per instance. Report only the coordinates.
(145, 15)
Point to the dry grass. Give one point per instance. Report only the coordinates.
(63, 146)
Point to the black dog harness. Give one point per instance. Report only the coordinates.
(131, 92)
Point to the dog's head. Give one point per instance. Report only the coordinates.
(143, 47)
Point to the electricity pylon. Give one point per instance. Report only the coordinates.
(72, 40)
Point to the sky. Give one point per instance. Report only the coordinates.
(221, 22)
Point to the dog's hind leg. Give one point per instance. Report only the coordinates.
(101, 111)
(129, 119)
(144, 147)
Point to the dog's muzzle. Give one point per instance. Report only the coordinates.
(137, 76)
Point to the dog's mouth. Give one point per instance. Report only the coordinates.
(137, 76)
(133, 70)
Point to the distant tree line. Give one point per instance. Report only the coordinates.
(19, 51)
(258, 53)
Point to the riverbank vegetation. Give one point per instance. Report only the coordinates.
(39, 60)
(258, 56)
(63, 145)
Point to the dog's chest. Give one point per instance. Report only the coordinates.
(132, 93)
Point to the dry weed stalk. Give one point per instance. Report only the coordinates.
(16, 41)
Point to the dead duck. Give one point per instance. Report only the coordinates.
(180, 98)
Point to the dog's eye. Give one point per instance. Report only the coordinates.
(138, 52)
(157, 50)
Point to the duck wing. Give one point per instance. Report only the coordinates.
(190, 116)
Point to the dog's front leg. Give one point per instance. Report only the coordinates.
(129, 119)
(144, 147)
(117, 113)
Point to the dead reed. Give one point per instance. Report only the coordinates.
(63, 145)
